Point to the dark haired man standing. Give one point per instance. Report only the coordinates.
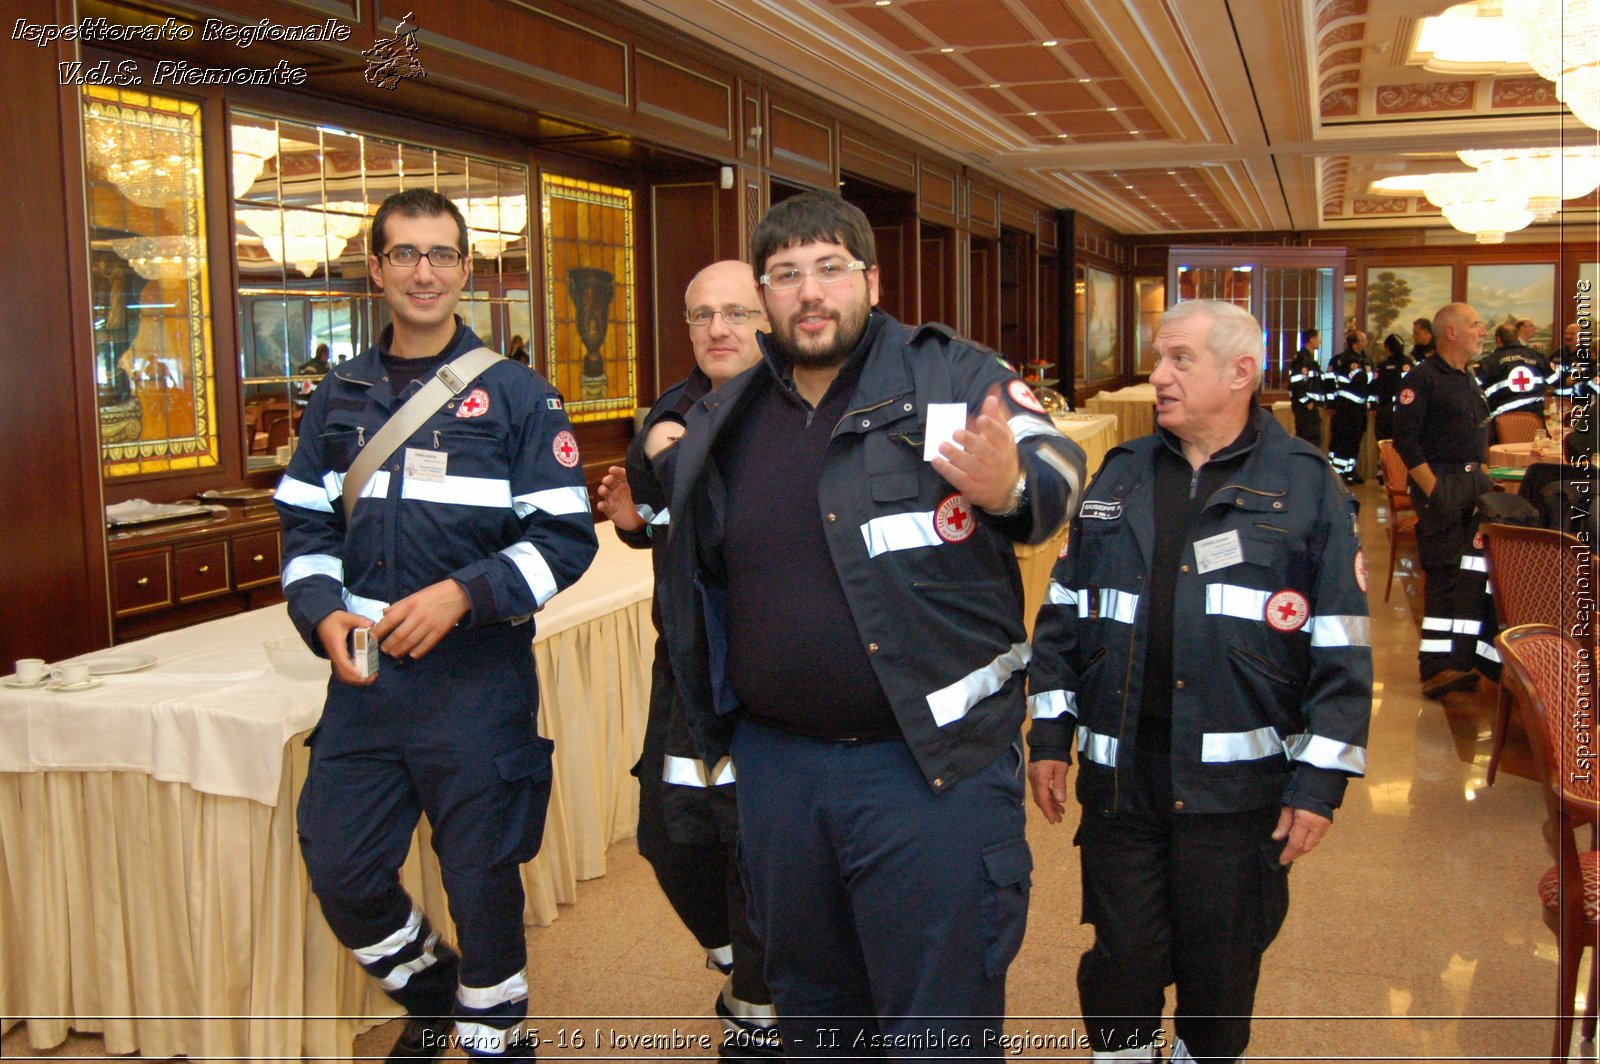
(468, 527)
(849, 613)
(1305, 388)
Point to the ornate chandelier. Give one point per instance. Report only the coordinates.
(308, 239)
(493, 222)
(1546, 176)
(153, 157)
(162, 258)
(1562, 39)
(1475, 204)
(252, 147)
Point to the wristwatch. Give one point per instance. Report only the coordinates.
(1019, 491)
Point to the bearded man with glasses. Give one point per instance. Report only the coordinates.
(844, 614)
(468, 528)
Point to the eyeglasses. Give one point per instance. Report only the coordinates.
(829, 271)
(700, 317)
(407, 257)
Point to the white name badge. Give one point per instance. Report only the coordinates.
(943, 421)
(1218, 552)
(424, 465)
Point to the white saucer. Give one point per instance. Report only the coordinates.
(13, 682)
(107, 664)
(68, 688)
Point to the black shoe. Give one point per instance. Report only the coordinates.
(750, 1031)
(424, 1038)
(1444, 681)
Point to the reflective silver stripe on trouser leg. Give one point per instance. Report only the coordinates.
(487, 1016)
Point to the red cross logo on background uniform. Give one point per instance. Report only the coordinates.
(474, 405)
(565, 448)
(1522, 379)
(953, 519)
(1288, 611)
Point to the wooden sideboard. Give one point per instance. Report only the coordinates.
(179, 573)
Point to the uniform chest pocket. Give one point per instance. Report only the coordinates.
(340, 446)
(892, 464)
(472, 452)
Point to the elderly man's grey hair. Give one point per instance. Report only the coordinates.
(1233, 331)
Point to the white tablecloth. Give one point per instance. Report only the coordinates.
(151, 886)
(1134, 406)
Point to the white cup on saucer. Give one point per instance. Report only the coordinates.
(71, 675)
(31, 670)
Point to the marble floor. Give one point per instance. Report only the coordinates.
(1414, 932)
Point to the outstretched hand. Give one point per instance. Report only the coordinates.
(982, 462)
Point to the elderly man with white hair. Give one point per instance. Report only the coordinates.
(1212, 753)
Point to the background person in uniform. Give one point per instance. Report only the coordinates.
(1348, 387)
(854, 611)
(1441, 431)
(1386, 390)
(1513, 376)
(1421, 339)
(1213, 670)
(480, 517)
(1305, 388)
(1562, 361)
(687, 818)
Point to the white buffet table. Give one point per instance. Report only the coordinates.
(151, 886)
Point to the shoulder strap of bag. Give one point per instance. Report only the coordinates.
(451, 379)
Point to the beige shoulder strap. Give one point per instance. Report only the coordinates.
(451, 379)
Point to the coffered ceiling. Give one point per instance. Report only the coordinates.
(1156, 116)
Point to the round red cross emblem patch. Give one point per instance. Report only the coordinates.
(1522, 379)
(565, 448)
(953, 520)
(1407, 396)
(1477, 541)
(1288, 611)
(476, 404)
(1361, 571)
(1023, 396)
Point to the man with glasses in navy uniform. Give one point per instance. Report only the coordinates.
(467, 529)
(845, 609)
(687, 816)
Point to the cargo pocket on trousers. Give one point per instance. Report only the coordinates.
(525, 770)
(1274, 892)
(1009, 869)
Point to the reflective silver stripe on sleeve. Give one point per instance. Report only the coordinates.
(662, 519)
(1340, 630)
(1351, 396)
(1474, 562)
(512, 988)
(691, 772)
(900, 532)
(1435, 646)
(1047, 705)
(1024, 426)
(312, 565)
(401, 974)
(1217, 747)
(1101, 749)
(292, 492)
(1072, 476)
(1231, 600)
(1435, 624)
(391, 945)
(366, 607)
(481, 1038)
(1114, 604)
(1497, 386)
(459, 491)
(1323, 752)
(1058, 595)
(558, 502)
(534, 569)
(953, 702)
(1487, 651)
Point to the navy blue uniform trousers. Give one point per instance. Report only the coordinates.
(889, 913)
(452, 735)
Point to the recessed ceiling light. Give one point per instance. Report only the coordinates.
(1061, 136)
(1050, 44)
(947, 49)
(1033, 114)
(1084, 81)
(883, 3)
(994, 84)
(1109, 109)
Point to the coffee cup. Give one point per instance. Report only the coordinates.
(71, 675)
(31, 670)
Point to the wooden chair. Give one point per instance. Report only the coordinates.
(278, 434)
(1531, 571)
(1519, 426)
(1402, 515)
(1551, 679)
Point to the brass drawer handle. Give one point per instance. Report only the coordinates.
(143, 580)
(259, 558)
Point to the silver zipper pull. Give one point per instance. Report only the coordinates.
(436, 439)
(361, 436)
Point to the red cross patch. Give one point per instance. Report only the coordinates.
(1023, 396)
(1522, 379)
(1407, 396)
(953, 520)
(1288, 611)
(565, 448)
(1477, 541)
(476, 404)
(1361, 571)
